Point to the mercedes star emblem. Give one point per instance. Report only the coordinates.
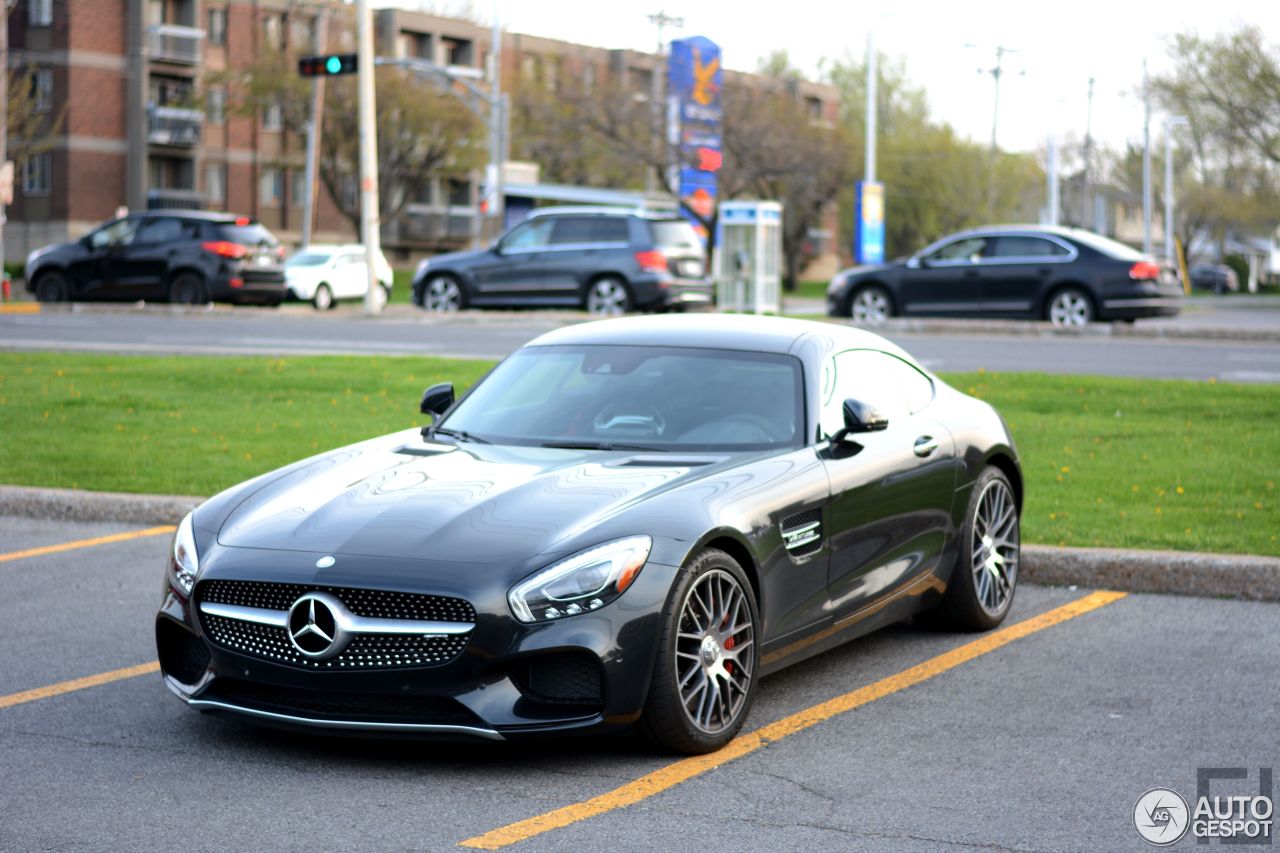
(315, 628)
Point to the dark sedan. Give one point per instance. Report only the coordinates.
(1219, 278)
(181, 256)
(624, 526)
(1067, 276)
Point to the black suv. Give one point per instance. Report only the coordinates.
(606, 260)
(176, 255)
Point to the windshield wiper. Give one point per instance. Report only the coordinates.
(598, 445)
(458, 434)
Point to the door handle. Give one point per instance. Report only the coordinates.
(925, 445)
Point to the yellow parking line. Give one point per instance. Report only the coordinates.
(20, 308)
(86, 543)
(673, 774)
(77, 684)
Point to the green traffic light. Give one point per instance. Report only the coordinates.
(333, 65)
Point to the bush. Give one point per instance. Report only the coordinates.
(1240, 264)
(15, 270)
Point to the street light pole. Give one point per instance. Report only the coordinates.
(1146, 161)
(1177, 121)
(869, 169)
(313, 131)
(368, 156)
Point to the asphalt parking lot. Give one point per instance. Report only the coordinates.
(1038, 739)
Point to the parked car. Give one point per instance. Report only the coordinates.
(606, 260)
(624, 525)
(1219, 278)
(180, 256)
(1067, 276)
(322, 274)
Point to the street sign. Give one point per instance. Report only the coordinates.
(6, 182)
(328, 65)
(869, 237)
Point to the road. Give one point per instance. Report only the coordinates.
(478, 335)
(1044, 742)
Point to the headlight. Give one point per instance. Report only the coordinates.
(583, 582)
(184, 565)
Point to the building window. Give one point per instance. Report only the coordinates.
(272, 117)
(217, 26)
(302, 32)
(215, 182)
(272, 32)
(39, 13)
(215, 105)
(37, 174)
(459, 192)
(457, 51)
(42, 89)
(271, 187)
(297, 187)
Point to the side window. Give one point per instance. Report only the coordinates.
(528, 235)
(610, 229)
(118, 233)
(348, 260)
(162, 230)
(916, 387)
(572, 230)
(1027, 247)
(968, 249)
(864, 375)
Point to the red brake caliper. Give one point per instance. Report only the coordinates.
(728, 646)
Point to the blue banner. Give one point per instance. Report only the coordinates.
(694, 116)
(868, 241)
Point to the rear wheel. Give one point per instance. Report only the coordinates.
(52, 287)
(707, 666)
(986, 573)
(188, 289)
(1070, 308)
(608, 297)
(322, 299)
(871, 304)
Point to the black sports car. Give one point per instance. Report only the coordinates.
(1067, 276)
(624, 525)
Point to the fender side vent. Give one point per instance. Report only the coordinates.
(802, 533)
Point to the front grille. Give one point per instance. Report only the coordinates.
(560, 679)
(367, 651)
(337, 705)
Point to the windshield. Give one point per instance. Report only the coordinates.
(675, 234)
(656, 398)
(307, 259)
(249, 234)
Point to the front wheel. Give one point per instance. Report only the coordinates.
(608, 297)
(872, 305)
(52, 287)
(443, 295)
(323, 298)
(707, 666)
(986, 573)
(1070, 308)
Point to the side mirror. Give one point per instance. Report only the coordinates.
(860, 417)
(437, 399)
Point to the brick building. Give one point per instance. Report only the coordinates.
(148, 125)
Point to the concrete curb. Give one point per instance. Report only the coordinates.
(1027, 328)
(1170, 572)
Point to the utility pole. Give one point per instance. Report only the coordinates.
(4, 114)
(661, 20)
(319, 46)
(1146, 160)
(996, 72)
(1052, 176)
(869, 167)
(368, 155)
(493, 182)
(1085, 206)
(1177, 121)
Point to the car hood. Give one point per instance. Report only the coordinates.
(456, 259)
(402, 497)
(868, 269)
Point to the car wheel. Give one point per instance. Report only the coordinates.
(52, 287)
(1070, 308)
(608, 297)
(188, 289)
(986, 573)
(708, 662)
(871, 304)
(443, 295)
(322, 299)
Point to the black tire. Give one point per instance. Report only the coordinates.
(52, 286)
(188, 289)
(967, 604)
(608, 296)
(666, 721)
(322, 299)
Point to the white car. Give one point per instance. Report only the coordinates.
(322, 274)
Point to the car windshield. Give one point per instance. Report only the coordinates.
(659, 398)
(247, 234)
(307, 259)
(675, 234)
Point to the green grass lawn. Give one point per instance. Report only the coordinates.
(1108, 462)
(401, 287)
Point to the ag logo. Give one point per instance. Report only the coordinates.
(1161, 817)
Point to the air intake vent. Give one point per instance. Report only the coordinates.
(802, 533)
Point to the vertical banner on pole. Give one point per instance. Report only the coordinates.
(868, 244)
(694, 118)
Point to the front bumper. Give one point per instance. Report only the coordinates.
(494, 689)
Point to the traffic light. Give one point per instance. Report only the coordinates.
(325, 66)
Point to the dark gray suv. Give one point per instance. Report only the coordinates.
(606, 260)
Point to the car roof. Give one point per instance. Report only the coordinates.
(205, 215)
(600, 210)
(716, 331)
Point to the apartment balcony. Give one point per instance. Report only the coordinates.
(168, 198)
(175, 44)
(426, 222)
(174, 126)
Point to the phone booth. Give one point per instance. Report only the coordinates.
(748, 259)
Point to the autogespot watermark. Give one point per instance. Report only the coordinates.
(1163, 817)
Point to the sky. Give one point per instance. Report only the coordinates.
(1057, 48)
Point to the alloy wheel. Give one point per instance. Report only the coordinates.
(994, 547)
(443, 295)
(608, 297)
(323, 300)
(871, 306)
(714, 658)
(1070, 309)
